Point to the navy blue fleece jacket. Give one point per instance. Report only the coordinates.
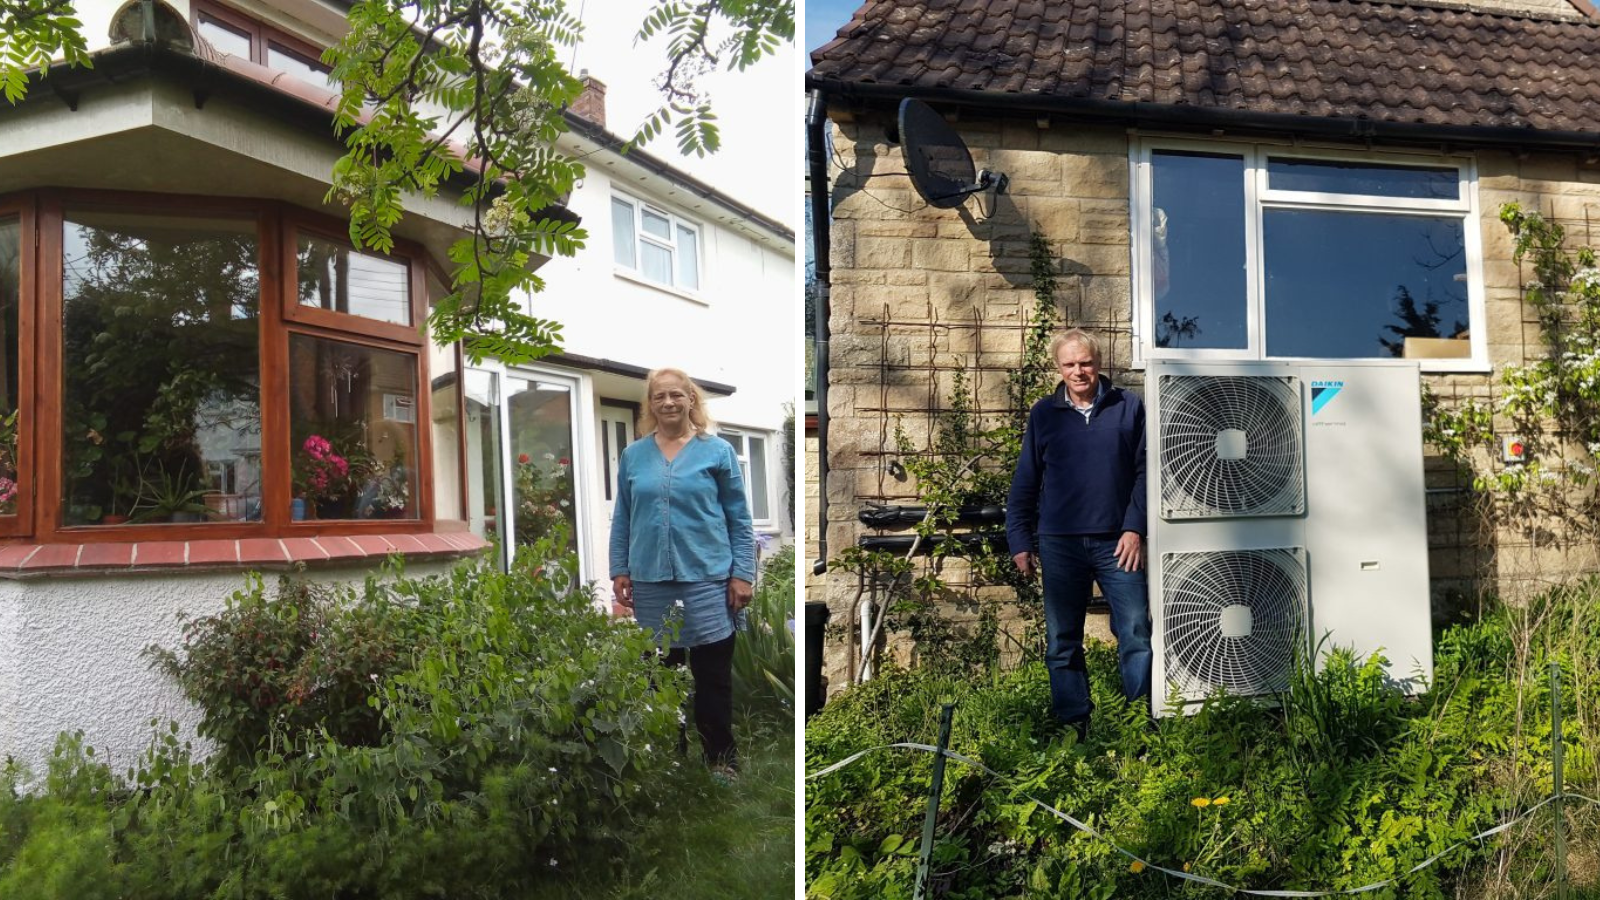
(1076, 476)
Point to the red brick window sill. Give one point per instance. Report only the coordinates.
(27, 560)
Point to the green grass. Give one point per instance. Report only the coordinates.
(732, 842)
(724, 842)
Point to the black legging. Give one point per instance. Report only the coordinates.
(712, 668)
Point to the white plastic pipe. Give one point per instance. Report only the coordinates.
(865, 615)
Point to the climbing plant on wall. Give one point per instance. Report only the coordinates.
(1551, 404)
(967, 462)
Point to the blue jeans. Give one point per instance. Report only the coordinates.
(1070, 565)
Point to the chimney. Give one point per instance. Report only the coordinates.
(591, 104)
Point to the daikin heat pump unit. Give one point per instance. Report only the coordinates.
(1286, 503)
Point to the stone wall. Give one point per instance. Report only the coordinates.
(919, 293)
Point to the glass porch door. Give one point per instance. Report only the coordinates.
(522, 461)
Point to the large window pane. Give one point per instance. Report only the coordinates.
(623, 237)
(688, 258)
(541, 453)
(161, 401)
(1363, 179)
(1358, 285)
(300, 67)
(225, 38)
(1198, 251)
(336, 278)
(353, 430)
(10, 285)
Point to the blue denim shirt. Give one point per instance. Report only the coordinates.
(684, 520)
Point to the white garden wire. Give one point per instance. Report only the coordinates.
(1188, 876)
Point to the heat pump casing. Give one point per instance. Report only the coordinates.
(1359, 531)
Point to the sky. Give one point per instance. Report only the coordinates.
(758, 111)
(823, 18)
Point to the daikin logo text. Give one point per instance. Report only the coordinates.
(1322, 393)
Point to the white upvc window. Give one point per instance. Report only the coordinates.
(1254, 251)
(755, 460)
(655, 245)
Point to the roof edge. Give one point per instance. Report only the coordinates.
(656, 165)
(1155, 115)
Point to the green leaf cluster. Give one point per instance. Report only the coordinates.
(763, 654)
(33, 33)
(1551, 403)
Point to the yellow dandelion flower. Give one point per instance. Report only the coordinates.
(1136, 867)
(1220, 801)
(1186, 867)
(1200, 802)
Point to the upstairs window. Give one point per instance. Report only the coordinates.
(655, 245)
(1260, 253)
(236, 34)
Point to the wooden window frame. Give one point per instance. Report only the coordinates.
(327, 230)
(424, 407)
(41, 443)
(261, 34)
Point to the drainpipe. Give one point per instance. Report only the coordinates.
(817, 154)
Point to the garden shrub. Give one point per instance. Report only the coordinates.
(1344, 784)
(478, 734)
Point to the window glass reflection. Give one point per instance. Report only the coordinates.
(161, 403)
(1362, 285)
(1363, 179)
(353, 430)
(1198, 251)
(483, 454)
(10, 286)
(541, 459)
(337, 278)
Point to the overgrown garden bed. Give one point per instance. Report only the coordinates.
(474, 735)
(1344, 784)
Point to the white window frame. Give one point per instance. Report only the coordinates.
(584, 456)
(740, 439)
(642, 237)
(1258, 198)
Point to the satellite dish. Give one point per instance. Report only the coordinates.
(938, 160)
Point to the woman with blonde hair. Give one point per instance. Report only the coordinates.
(683, 549)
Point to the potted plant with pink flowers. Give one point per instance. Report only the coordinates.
(322, 478)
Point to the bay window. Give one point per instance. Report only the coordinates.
(1259, 252)
(215, 368)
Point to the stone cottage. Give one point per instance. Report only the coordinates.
(1215, 179)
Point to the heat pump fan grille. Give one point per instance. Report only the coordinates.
(1231, 619)
(1230, 446)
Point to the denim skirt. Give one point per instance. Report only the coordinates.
(684, 613)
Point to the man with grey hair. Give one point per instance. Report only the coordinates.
(1076, 512)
